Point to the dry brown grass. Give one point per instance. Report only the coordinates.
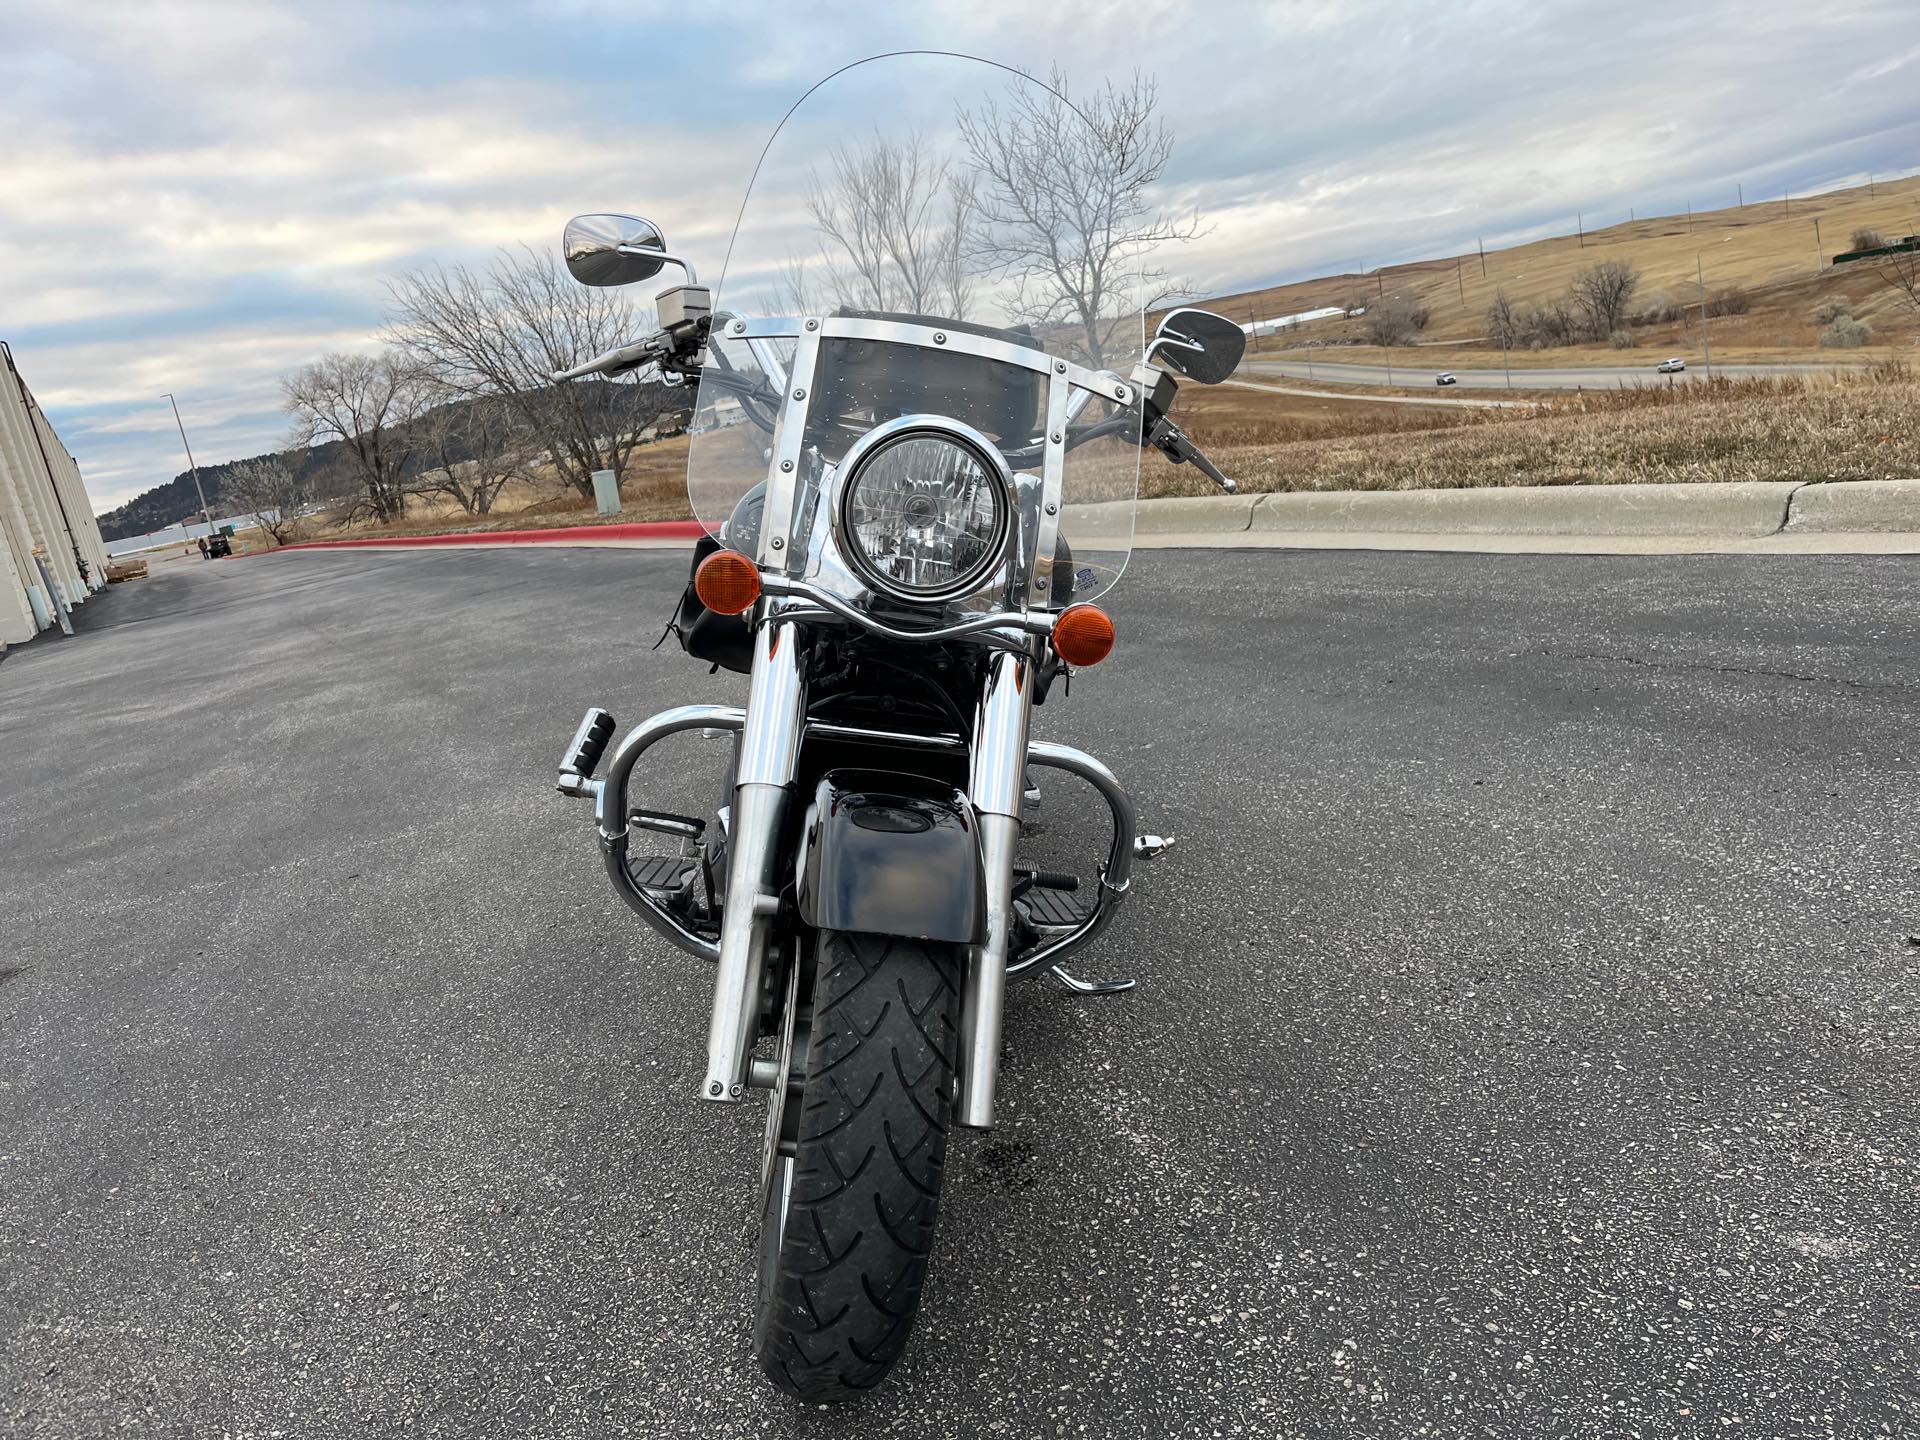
(1866, 427)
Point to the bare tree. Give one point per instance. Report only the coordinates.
(898, 219)
(1394, 320)
(1602, 293)
(369, 404)
(1902, 272)
(503, 331)
(1065, 204)
(470, 449)
(1503, 322)
(269, 491)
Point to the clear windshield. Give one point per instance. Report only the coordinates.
(915, 243)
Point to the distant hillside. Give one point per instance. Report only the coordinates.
(174, 501)
(1769, 251)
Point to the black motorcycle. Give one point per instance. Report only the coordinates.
(911, 516)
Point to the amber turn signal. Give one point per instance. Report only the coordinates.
(1083, 635)
(727, 582)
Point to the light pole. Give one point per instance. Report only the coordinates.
(1706, 339)
(205, 514)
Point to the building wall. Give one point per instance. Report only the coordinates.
(46, 519)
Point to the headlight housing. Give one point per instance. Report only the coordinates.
(925, 508)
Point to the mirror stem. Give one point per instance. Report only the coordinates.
(645, 254)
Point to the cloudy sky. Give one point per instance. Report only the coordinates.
(196, 195)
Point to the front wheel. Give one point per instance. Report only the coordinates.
(856, 1151)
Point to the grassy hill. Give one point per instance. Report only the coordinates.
(1766, 248)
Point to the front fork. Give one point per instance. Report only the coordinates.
(996, 783)
(763, 785)
(768, 756)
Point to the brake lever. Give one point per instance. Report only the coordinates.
(1171, 441)
(615, 361)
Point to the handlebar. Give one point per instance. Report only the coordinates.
(1157, 430)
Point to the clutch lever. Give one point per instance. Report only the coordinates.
(1170, 440)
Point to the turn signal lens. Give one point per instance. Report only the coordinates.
(1083, 635)
(727, 582)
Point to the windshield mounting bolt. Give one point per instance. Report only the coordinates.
(801, 393)
(1120, 392)
(778, 543)
(1059, 367)
(1055, 437)
(1052, 509)
(1040, 584)
(739, 327)
(813, 324)
(786, 465)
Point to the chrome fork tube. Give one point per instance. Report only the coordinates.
(995, 785)
(769, 752)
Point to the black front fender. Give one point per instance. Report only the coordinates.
(892, 854)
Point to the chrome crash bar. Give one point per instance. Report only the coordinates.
(610, 811)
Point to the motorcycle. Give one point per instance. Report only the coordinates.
(916, 482)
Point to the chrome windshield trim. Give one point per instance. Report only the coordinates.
(1103, 383)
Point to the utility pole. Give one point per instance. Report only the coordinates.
(1819, 258)
(1743, 195)
(1689, 217)
(1505, 364)
(1787, 200)
(1706, 338)
(205, 513)
(1460, 279)
(1483, 255)
(1870, 191)
(1580, 227)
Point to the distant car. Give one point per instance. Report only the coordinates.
(1672, 367)
(1445, 377)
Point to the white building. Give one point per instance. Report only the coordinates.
(51, 555)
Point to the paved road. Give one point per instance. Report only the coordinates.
(1528, 1042)
(1443, 397)
(1421, 372)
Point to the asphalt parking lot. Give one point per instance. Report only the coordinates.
(1528, 1041)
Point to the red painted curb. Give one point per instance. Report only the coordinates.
(641, 530)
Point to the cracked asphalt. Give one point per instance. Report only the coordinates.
(1526, 1042)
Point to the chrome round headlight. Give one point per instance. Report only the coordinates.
(924, 513)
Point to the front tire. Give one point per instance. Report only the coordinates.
(847, 1217)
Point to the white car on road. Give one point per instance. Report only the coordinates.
(1672, 367)
(1445, 377)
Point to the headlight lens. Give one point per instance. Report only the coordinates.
(924, 516)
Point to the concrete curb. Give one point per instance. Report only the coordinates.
(1747, 509)
(1873, 507)
(567, 535)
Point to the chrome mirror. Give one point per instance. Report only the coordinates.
(616, 250)
(1199, 344)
